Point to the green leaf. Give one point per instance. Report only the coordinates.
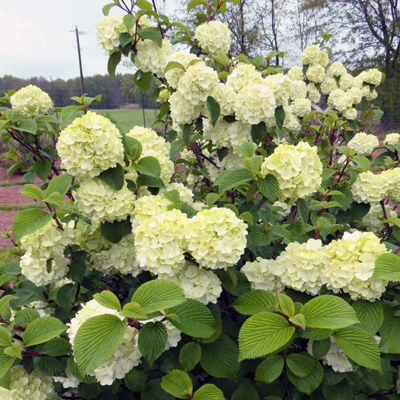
(135, 380)
(263, 334)
(145, 180)
(6, 363)
(29, 221)
(280, 116)
(286, 304)
(301, 365)
(152, 340)
(115, 231)
(113, 177)
(15, 350)
(142, 80)
(60, 184)
(341, 391)
(173, 65)
(133, 311)
(298, 320)
(220, 358)
(151, 34)
(144, 5)
(193, 3)
(124, 39)
(254, 302)
(258, 132)
(56, 347)
(10, 268)
(149, 166)
(107, 8)
(232, 178)
(189, 356)
(269, 186)
(362, 161)
(186, 133)
(28, 125)
(25, 317)
(73, 367)
(108, 299)
(208, 392)
(192, 318)
(248, 149)
(176, 147)
(387, 267)
(158, 295)
(270, 369)
(113, 62)
(328, 312)
(309, 384)
(390, 332)
(5, 337)
(173, 196)
(213, 108)
(178, 384)
(133, 148)
(359, 346)
(42, 169)
(246, 391)
(153, 391)
(369, 314)
(129, 21)
(320, 348)
(42, 330)
(97, 340)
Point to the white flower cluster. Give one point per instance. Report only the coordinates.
(90, 145)
(297, 168)
(214, 37)
(373, 221)
(155, 146)
(31, 101)
(283, 208)
(150, 57)
(392, 139)
(25, 386)
(313, 55)
(99, 202)
(371, 77)
(69, 381)
(183, 57)
(336, 69)
(125, 357)
(363, 144)
(44, 261)
(199, 284)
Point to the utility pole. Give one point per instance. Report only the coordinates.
(77, 33)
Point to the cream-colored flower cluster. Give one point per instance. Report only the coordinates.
(297, 168)
(99, 202)
(25, 386)
(392, 139)
(43, 261)
(108, 30)
(31, 101)
(155, 146)
(371, 76)
(183, 57)
(363, 144)
(214, 37)
(90, 145)
(313, 55)
(351, 264)
(150, 57)
(336, 69)
(373, 221)
(197, 283)
(216, 238)
(124, 358)
(264, 275)
(244, 75)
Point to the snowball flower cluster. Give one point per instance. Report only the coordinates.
(281, 87)
(301, 107)
(182, 111)
(124, 358)
(392, 139)
(183, 57)
(226, 97)
(363, 144)
(69, 381)
(264, 274)
(43, 261)
(313, 55)
(328, 85)
(351, 264)
(160, 242)
(297, 168)
(216, 238)
(370, 187)
(25, 386)
(31, 101)
(100, 202)
(150, 57)
(393, 184)
(155, 146)
(244, 75)
(373, 221)
(302, 265)
(90, 145)
(336, 69)
(108, 30)
(372, 77)
(199, 284)
(214, 37)
(296, 73)
(316, 73)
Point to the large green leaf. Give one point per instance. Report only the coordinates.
(309, 384)
(135, 380)
(233, 178)
(246, 391)
(208, 392)
(387, 267)
(189, 356)
(116, 230)
(5, 337)
(149, 166)
(113, 62)
(151, 34)
(270, 369)
(178, 384)
(152, 340)
(42, 169)
(29, 221)
(220, 358)
(60, 184)
(269, 186)
(56, 347)
(32, 191)
(254, 302)
(370, 315)
(301, 365)
(113, 177)
(328, 312)
(42, 330)
(359, 346)
(6, 363)
(263, 334)
(153, 391)
(192, 318)
(213, 108)
(97, 340)
(108, 299)
(390, 332)
(158, 295)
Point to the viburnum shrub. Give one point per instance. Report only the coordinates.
(246, 249)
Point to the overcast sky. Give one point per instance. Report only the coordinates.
(36, 40)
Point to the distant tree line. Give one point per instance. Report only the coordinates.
(117, 92)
